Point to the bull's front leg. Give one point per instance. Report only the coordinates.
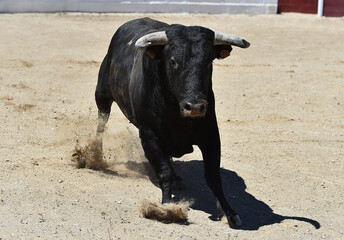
(158, 160)
(211, 151)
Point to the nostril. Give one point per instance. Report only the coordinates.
(189, 109)
(187, 106)
(202, 108)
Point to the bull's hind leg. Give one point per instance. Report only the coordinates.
(104, 109)
(103, 98)
(103, 118)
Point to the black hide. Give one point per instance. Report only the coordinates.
(155, 87)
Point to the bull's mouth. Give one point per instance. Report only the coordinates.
(194, 110)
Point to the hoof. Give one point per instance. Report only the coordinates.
(234, 221)
(220, 213)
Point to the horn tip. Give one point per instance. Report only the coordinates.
(246, 44)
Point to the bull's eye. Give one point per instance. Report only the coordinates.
(173, 63)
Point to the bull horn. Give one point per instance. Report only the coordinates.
(151, 39)
(229, 39)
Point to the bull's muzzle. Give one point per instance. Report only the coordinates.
(197, 109)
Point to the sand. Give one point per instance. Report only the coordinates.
(280, 109)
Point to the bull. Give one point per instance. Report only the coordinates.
(160, 76)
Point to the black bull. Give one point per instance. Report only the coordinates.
(160, 76)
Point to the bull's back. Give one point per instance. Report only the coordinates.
(121, 55)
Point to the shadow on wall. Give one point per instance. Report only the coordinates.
(253, 213)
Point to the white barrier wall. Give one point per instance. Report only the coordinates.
(143, 6)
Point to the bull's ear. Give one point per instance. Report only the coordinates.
(154, 51)
(222, 51)
(150, 53)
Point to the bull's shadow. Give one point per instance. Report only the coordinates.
(253, 212)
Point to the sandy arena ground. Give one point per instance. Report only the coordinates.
(280, 108)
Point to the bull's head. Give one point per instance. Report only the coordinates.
(188, 54)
